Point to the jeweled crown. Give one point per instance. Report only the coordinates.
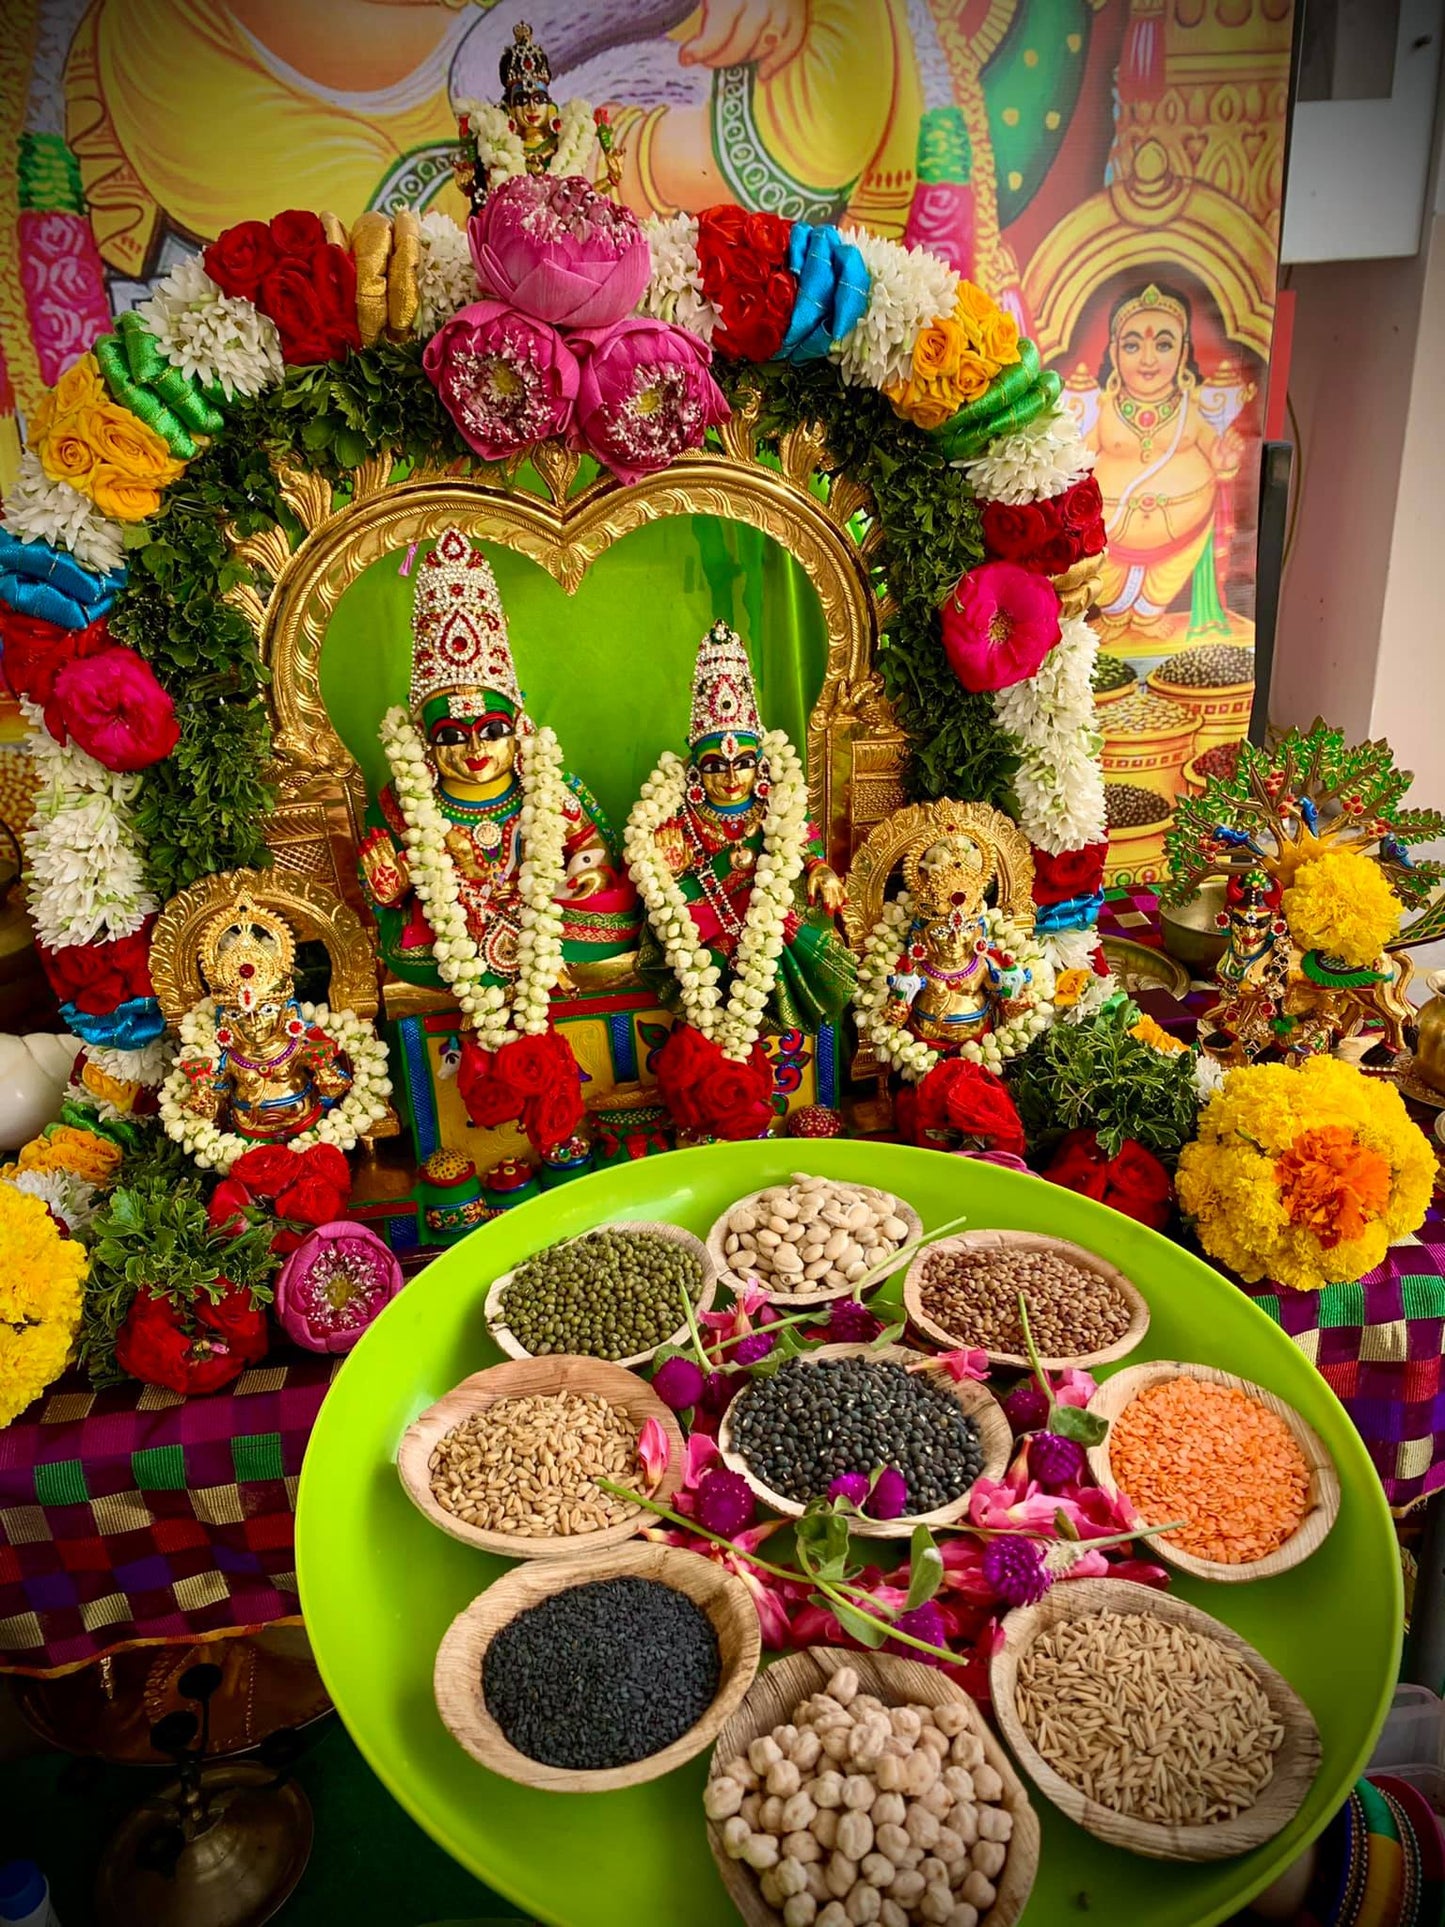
(247, 955)
(724, 702)
(948, 876)
(1150, 297)
(525, 71)
(458, 626)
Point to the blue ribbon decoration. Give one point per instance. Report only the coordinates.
(130, 1026)
(38, 580)
(1074, 913)
(833, 289)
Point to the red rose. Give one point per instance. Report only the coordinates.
(533, 1078)
(708, 1093)
(1014, 531)
(490, 1100)
(157, 1345)
(1070, 873)
(234, 1321)
(1060, 552)
(529, 1064)
(267, 1169)
(33, 652)
(96, 977)
(325, 1161)
(238, 260)
(1094, 539)
(313, 303)
(1079, 507)
(229, 1199)
(963, 1098)
(111, 703)
(298, 233)
(314, 1198)
(1133, 1182)
(552, 1116)
(740, 257)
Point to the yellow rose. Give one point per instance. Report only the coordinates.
(936, 351)
(971, 306)
(117, 495)
(65, 452)
(991, 331)
(973, 375)
(916, 404)
(79, 387)
(123, 440)
(1069, 987)
(122, 1092)
(68, 1148)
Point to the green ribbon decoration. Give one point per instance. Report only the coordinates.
(181, 393)
(145, 405)
(48, 176)
(119, 1130)
(1018, 396)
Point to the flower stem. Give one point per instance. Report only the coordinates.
(693, 1333)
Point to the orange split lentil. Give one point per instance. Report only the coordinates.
(1216, 1458)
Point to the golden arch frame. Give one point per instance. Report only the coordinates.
(855, 748)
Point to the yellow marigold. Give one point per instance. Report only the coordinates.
(80, 386)
(1152, 1033)
(68, 1148)
(1340, 902)
(40, 1299)
(1305, 1176)
(1069, 987)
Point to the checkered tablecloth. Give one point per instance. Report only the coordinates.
(131, 1515)
(1378, 1343)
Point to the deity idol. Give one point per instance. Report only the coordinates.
(481, 829)
(1160, 465)
(958, 985)
(272, 1075)
(739, 899)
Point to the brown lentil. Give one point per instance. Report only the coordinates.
(529, 1465)
(974, 1296)
(1149, 1718)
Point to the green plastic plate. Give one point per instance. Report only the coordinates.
(379, 1585)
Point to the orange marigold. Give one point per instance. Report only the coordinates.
(1332, 1183)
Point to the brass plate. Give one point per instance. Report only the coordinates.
(1137, 968)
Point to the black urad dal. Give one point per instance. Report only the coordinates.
(810, 1421)
(602, 1675)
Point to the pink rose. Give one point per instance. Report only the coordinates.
(559, 250)
(506, 380)
(115, 709)
(646, 395)
(333, 1284)
(999, 624)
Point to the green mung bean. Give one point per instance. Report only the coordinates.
(610, 1294)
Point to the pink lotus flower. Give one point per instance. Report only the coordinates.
(646, 396)
(506, 380)
(999, 624)
(334, 1284)
(560, 251)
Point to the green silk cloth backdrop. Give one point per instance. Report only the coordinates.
(610, 668)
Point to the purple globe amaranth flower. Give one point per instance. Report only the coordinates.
(756, 1346)
(1026, 1409)
(333, 1284)
(850, 1323)
(925, 1622)
(889, 1497)
(678, 1382)
(724, 1503)
(559, 250)
(1054, 1460)
(852, 1486)
(1015, 1568)
(718, 1392)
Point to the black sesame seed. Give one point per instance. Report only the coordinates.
(602, 1675)
(811, 1420)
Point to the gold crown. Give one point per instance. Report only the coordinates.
(951, 873)
(247, 954)
(1151, 297)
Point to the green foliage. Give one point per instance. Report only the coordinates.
(154, 1235)
(1095, 1076)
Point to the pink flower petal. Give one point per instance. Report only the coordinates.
(654, 1452)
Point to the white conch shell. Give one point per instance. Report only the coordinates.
(34, 1073)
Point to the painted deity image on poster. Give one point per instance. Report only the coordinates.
(1108, 170)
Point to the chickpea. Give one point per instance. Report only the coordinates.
(959, 1782)
(752, 1809)
(839, 1876)
(863, 1906)
(859, 1792)
(769, 1889)
(877, 1869)
(892, 1915)
(978, 1890)
(987, 1782)
(722, 1799)
(962, 1916)
(801, 1910)
(921, 1827)
(843, 1686)
(937, 1902)
(784, 1779)
(736, 1834)
(825, 1827)
(967, 1750)
(889, 1773)
(934, 1741)
(741, 1770)
(891, 1840)
(964, 1822)
(952, 1718)
(798, 1813)
(770, 1815)
(827, 1790)
(995, 1823)
(905, 1722)
(938, 1800)
(889, 1810)
(791, 1878)
(802, 1846)
(833, 1915)
(907, 1887)
(760, 1852)
(855, 1835)
(763, 1753)
(806, 1749)
(988, 1857)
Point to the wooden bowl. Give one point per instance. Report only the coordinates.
(1295, 1764)
(801, 1300)
(897, 1682)
(1029, 1241)
(673, 1232)
(1324, 1482)
(994, 1434)
(460, 1657)
(520, 1378)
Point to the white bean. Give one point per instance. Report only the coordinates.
(760, 1851)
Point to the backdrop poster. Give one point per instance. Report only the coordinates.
(1110, 169)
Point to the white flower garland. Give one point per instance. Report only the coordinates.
(446, 281)
(1033, 464)
(1060, 781)
(499, 146)
(733, 1026)
(147, 1066)
(74, 1200)
(1069, 949)
(84, 879)
(674, 289)
(38, 509)
(496, 1014)
(365, 1103)
(910, 1055)
(219, 339)
(908, 289)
